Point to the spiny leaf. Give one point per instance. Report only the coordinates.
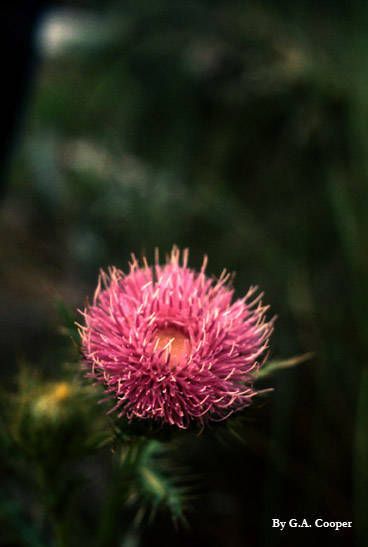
(151, 479)
(275, 366)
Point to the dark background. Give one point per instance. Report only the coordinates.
(238, 129)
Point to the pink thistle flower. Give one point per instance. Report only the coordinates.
(171, 344)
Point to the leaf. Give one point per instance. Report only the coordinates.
(275, 366)
(152, 480)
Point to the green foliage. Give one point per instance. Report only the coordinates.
(274, 365)
(153, 481)
(54, 421)
(50, 428)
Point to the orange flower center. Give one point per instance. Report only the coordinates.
(176, 342)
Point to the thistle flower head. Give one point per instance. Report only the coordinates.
(173, 345)
(50, 402)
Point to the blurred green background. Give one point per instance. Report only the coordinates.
(240, 130)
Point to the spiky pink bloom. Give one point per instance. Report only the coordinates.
(171, 344)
